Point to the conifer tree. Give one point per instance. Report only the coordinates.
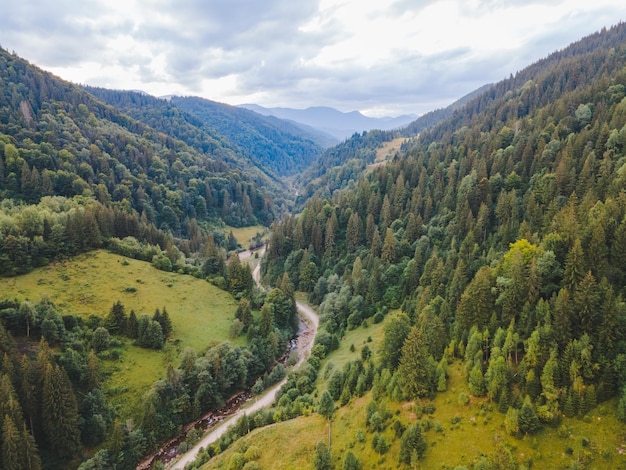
(60, 413)
(412, 443)
(528, 419)
(29, 454)
(11, 445)
(326, 408)
(416, 369)
(322, 460)
(132, 327)
(574, 266)
(163, 319)
(115, 321)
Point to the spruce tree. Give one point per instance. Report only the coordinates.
(528, 419)
(132, 328)
(115, 321)
(412, 443)
(60, 413)
(322, 460)
(11, 445)
(416, 369)
(29, 454)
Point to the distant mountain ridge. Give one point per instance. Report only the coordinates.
(332, 121)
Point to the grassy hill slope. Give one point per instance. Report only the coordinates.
(459, 432)
(89, 284)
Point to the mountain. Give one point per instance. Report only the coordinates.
(58, 140)
(271, 143)
(341, 165)
(493, 248)
(329, 120)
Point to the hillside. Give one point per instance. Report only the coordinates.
(278, 145)
(59, 140)
(340, 166)
(500, 235)
(81, 377)
(458, 430)
(264, 146)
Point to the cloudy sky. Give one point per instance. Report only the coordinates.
(381, 57)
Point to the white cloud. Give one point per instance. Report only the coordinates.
(388, 56)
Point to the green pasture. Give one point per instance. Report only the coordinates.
(245, 234)
(89, 284)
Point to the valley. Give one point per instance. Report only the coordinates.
(448, 294)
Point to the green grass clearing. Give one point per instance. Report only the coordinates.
(358, 338)
(245, 234)
(388, 149)
(289, 445)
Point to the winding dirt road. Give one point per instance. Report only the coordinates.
(309, 322)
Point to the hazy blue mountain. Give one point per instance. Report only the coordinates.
(331, 121)
(272, 143)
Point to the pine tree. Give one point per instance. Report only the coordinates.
(267, 320)
(412, 443)
(165, 322)
(388, 254)
(574, 266)
(29, 454)
(115, 321)
(396, 329)
(528, 419)
(416, 367)
(353, 232)
(132, 327)
(326, 408)
(322, 460)
(60, 413)
(11, 445)
(351, 462)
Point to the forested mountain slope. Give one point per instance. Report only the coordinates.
(341, 165)
(256, 143)
(501, 234)
(279, 145)
(59, 140)
(163, 116)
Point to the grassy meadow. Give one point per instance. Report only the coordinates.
(89, 284)
(388, 149)
(458, 434)
(245, 234)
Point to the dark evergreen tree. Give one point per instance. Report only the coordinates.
(322, 460)
(412, 444)
(116, 320)
(60, 413)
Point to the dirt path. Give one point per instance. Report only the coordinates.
(309, 322)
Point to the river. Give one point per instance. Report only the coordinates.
(309, 322)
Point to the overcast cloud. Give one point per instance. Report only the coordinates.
(379, 57)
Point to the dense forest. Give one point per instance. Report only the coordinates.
(280, 146)
(260, 144)
(500, 237)
(339, 167)
(59, 140)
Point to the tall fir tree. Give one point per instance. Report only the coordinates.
(60, 413)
